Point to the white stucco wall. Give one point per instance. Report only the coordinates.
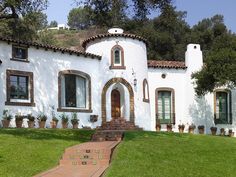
(135, 61)
(45, 66)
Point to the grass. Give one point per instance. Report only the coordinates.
(151, 154)
(27, 152)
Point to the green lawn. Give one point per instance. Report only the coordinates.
(26, 152)
(151, 154)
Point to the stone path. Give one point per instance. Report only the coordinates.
(84, 160)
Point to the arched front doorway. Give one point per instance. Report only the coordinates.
(125, 84)
(115, 104)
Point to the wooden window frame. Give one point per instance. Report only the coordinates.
(122, 65)
(14, 46)
(89, 99)
(229, 106)
(167, 89)
(30, 89)
(145, 97)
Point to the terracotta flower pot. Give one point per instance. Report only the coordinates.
(191, 130)
(181, 130)
(158, 128)
(5, 123)
(64, 125)
(30, 124)
(231, 133)
(201, 129)
(53, 124)
(213, 130)
(222, 132)
(42, 124)
(169, 128)
(75, 126)
(19, 123)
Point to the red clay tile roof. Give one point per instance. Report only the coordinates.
(107, 35)
(166, 64)
(53, 48)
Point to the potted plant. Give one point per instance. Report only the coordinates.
(30, 120)
(158, 125)
(74, 120)
(93, 118)
(55, 120)
(201, 129)
(231, 133)
(222, 132)
(64, 120)
(19, 120)
(6, 118)
(181, 128)
(213, 130)
(191, 128)
(42, 118)
(169, 127)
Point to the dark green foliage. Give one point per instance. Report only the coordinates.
(80, 18)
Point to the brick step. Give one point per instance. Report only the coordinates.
(84, 162)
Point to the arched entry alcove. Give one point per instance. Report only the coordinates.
(131, 97)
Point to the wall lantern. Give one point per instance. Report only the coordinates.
(135, 82)
(0, 62)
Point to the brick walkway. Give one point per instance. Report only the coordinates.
(84, 160)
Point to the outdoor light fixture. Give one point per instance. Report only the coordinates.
(0, 62)
(135, 82)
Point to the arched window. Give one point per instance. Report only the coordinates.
(165, 105)
(222, 106)
(117, 57)
(145, 91)
(74, 91)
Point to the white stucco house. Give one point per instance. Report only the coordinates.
(113, 78)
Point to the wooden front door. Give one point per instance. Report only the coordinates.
(115, 104)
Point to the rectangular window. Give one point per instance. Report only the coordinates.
(164, 106)
(19, 87)
(222, 108)
(19, 53)
(75, 91)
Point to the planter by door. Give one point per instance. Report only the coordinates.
(169, 127)
(158, 127)
(5, 123)
(42, 124)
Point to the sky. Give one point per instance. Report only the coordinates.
(196, 10)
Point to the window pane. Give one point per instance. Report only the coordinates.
(117, 56)
(70, 91)
(19, 87)
(164, 105)
(20, 53)
(13, 78)
(81, 92)
(222, 106)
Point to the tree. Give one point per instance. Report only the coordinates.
(80, 18)
(24, 28)
(14, 8)
(53, 23)
(142, 8)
